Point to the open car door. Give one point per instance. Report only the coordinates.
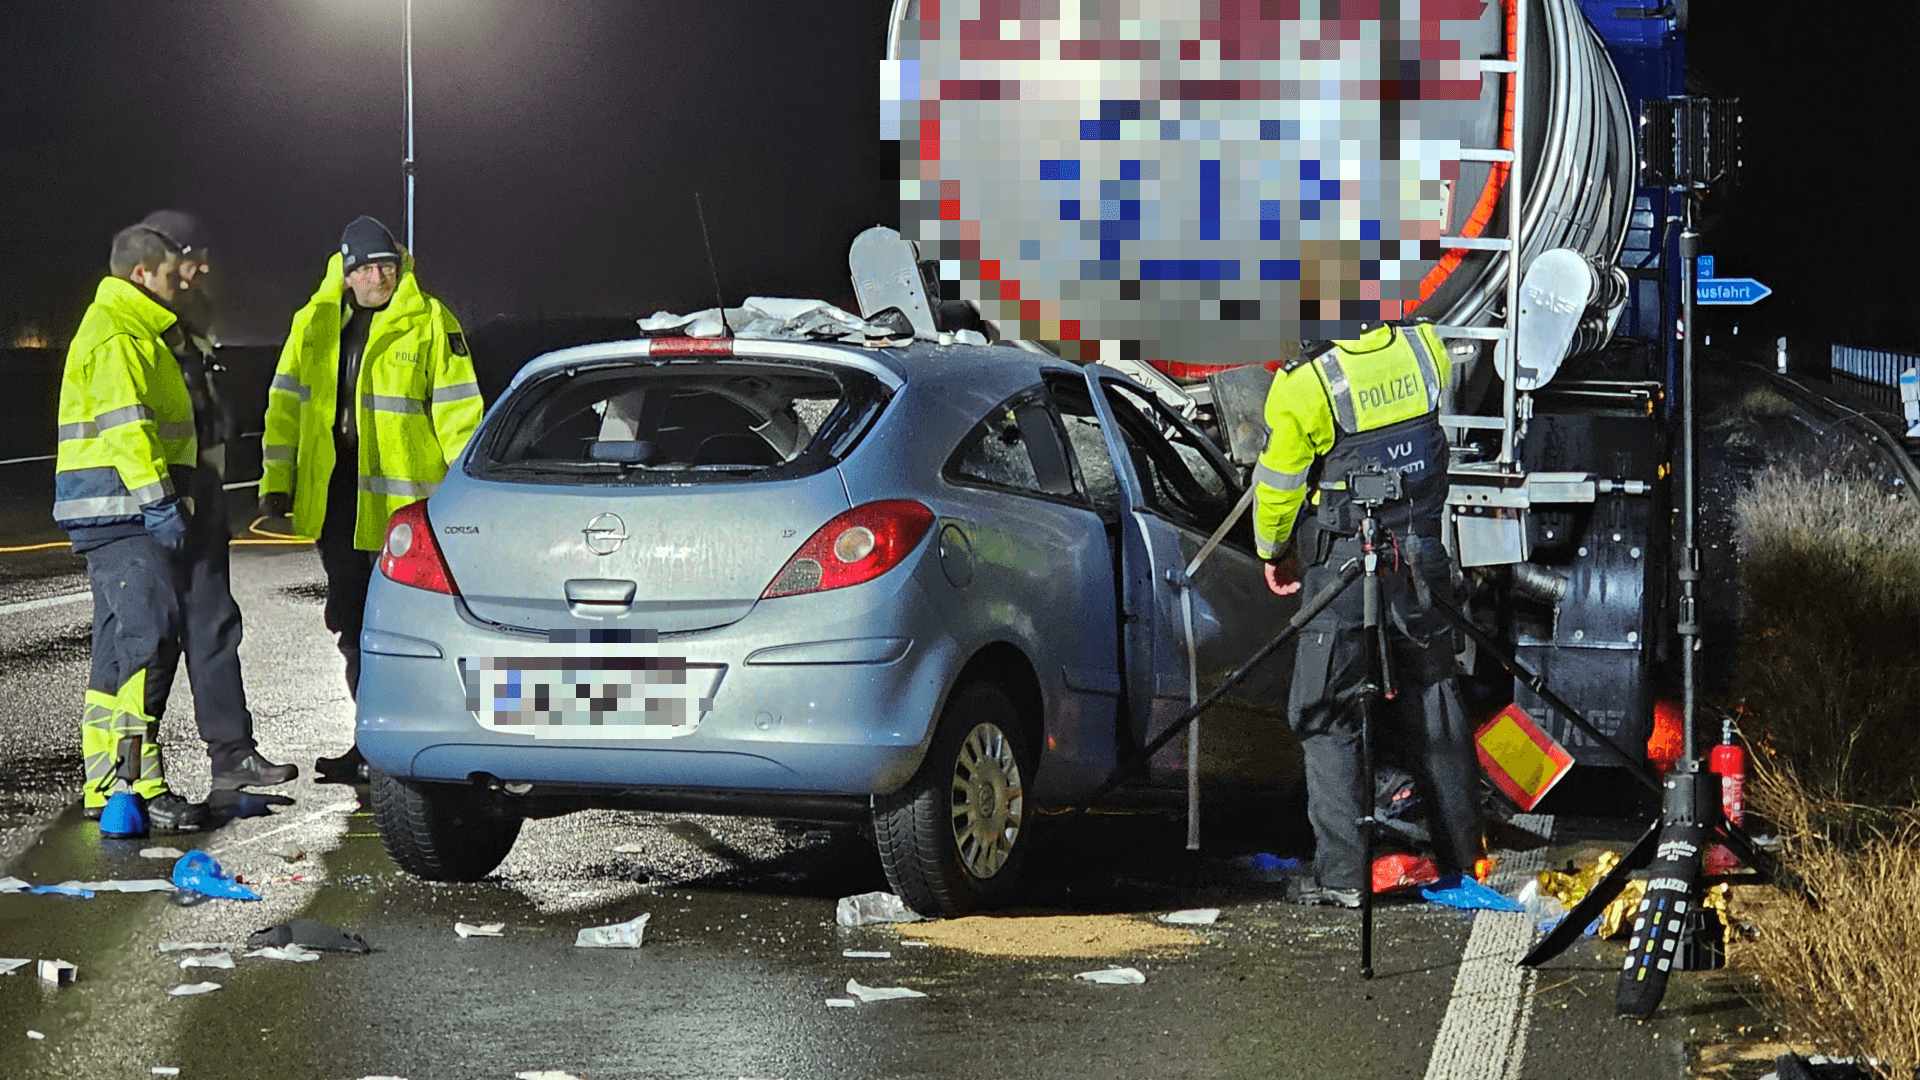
(1176, 488)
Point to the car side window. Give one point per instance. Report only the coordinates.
(1181, 482)
(1094, 464)
(1016, 447)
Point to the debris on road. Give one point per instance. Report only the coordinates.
(841, 1003)
(492, 929)
(1114, 976)
(32, 1034)
(880, 993)
(866, 954)
(1399, 870)
(198, 872)
(62, 890)
(9, 965)
(1457, 891)
(58, 972)
(137, 886)
(544, 1074)
(1049, 936)
(166, 1070)
(1571, 888)
(293, 953)
(309, 934)
(628, 849)
(289, 852)
(873, 907)
(161, 853)
(1545, 910)
(217, 960)
(14, 885)
(193, 946)
(1203, 916)
(190, 989)
(624, 935)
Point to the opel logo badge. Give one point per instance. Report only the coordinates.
(605, 534)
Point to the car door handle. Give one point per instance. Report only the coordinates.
(600, 591)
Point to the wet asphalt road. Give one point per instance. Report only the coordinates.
(740, 954)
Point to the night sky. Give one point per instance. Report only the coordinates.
(560, 143)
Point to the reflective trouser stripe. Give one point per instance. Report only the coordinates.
(107, 721)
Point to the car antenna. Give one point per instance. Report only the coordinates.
(712, 268)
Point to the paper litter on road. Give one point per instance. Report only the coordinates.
(193, 946)
(1114, 976)
(190, 989)
(544, 1074)
(9, 965)
(492, 929)
(166, 1070)
(628, 849)
(293, 953)
(880, 993)
(918, 944)
(57, 972)
(141, 885)
(841, 1003)
(866, 954)
(874, 907)
(61, 890)
(624, 935)
(1203, 916)
(32, 1034)
(217, 960)
(161, 853)
(13, 885)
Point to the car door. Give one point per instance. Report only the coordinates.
(1175, 489)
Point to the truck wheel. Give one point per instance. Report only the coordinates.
(952, 840)
(440, 832)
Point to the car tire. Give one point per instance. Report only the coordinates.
(440, 832)
(953, 839)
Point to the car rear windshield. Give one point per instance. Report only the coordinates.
(678, 422)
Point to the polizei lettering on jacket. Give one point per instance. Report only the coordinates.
(1375, 397)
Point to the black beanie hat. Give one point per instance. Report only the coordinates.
(181, 230)
(366, 240)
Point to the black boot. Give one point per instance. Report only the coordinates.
(348, 768)
(253, 771)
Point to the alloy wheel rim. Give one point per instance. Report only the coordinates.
(988, 801)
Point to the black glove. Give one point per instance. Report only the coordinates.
(276, 504)
(166, 522)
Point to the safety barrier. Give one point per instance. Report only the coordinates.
(1873, 372)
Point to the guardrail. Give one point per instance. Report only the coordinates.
(1874, 372)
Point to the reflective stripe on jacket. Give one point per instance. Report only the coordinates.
(126, 434)
(418, 404)
(1386, 377)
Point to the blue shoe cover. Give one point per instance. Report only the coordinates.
(198, 872)
(123, 816)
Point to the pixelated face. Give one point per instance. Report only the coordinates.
(1208, 178)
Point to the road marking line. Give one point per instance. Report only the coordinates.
(45, 602)
(257, 837)
(1484, 1034)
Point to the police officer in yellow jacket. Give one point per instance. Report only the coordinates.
(374, 397)
(124, 467)
(1341, 407)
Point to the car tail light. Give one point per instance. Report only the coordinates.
(856, 546)
(685, 346)
(410, 555)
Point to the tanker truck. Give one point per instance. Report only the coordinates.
(1189, 189)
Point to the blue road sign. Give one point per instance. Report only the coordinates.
(1703, 266)
(1739, 290)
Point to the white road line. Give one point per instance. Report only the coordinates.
(1484, 1034)
(45, 602)
(336, 808)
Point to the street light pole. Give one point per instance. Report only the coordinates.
(406, 166)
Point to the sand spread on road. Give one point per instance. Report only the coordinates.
(1049, 935)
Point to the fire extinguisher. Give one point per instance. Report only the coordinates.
(1729, 762)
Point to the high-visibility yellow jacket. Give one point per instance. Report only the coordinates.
(1392, 377)
(418, 404)
(126, 421)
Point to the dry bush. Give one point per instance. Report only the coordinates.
(1843, 972)
(1829, 667)
(1764, 402)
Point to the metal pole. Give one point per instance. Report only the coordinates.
(406, 166)
(1690, 568)
(1516, 216)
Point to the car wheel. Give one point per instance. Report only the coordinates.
(440, 832)
(952, 840)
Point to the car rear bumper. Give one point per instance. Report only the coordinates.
(843, 707)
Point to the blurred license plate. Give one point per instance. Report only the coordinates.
(589, 691)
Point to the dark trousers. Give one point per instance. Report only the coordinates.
(209, 632)
(349, 570)
(135, 613)
(1423, 730)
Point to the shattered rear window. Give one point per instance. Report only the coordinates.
(679, 422)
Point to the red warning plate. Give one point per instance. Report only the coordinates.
(1524, 761)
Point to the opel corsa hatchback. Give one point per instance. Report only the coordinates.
(802, 580)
